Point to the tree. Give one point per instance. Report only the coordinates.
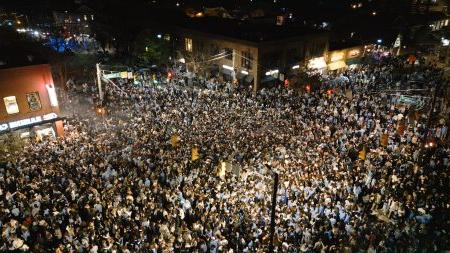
(119, 22)
(63, 64)
(199, 62)
(149, 49)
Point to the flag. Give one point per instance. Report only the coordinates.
(194, 153)
(362, 154)
(384, 140)
(175, 140)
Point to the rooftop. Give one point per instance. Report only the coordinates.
(255, 30)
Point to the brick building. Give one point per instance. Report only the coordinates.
(28, 101)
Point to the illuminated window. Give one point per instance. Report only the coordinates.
(11, 105)
(92, 17)
(34, 102)
(188, 44)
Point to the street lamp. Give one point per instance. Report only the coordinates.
(273, 210)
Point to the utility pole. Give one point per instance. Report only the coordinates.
(274, 205)
(431, 112)
(429, 120)
(99, 83)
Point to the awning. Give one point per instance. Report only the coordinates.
(337, 65)
(226, 71)
(268, 79)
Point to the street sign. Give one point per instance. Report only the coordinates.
(411, 101)
(112, 75)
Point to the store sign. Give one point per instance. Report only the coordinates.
(353, 53)
(317, 63)
(26, 122)
(337, 56)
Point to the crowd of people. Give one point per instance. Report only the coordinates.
(129, 181)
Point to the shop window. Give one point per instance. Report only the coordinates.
(11, 105)
(34, 102)
(246, 60)
(188, 44)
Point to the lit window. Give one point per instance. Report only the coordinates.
(85, 17)
(92, 17)
(34, 102)
(188, 44)
(11, 105)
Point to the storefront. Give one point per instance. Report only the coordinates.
(29, 106)
(317, 64)
(38, 128)
(345, 58)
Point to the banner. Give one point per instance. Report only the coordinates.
(362, 154)
(384, 140)
(175, 140)
(195, 154)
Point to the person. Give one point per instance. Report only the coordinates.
(116, 184)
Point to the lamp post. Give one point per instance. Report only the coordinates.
(272, 215)
(99, 83)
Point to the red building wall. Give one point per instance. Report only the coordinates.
(20, 81)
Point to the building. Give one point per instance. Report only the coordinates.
(343, 55)
(256, 53)
(75, 22)
(28, 105)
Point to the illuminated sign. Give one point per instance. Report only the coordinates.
(52, 94)
(337, 56)
(3, 127)
(317, 63)
(227, 67)
(25, 122)
(353, 53)
(272, 72)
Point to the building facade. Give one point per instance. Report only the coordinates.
(249, 62)
(76, 22)
(29, 104)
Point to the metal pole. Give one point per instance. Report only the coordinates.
(431, 112)
(429, 121)
(99, 83)
(272, 216)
